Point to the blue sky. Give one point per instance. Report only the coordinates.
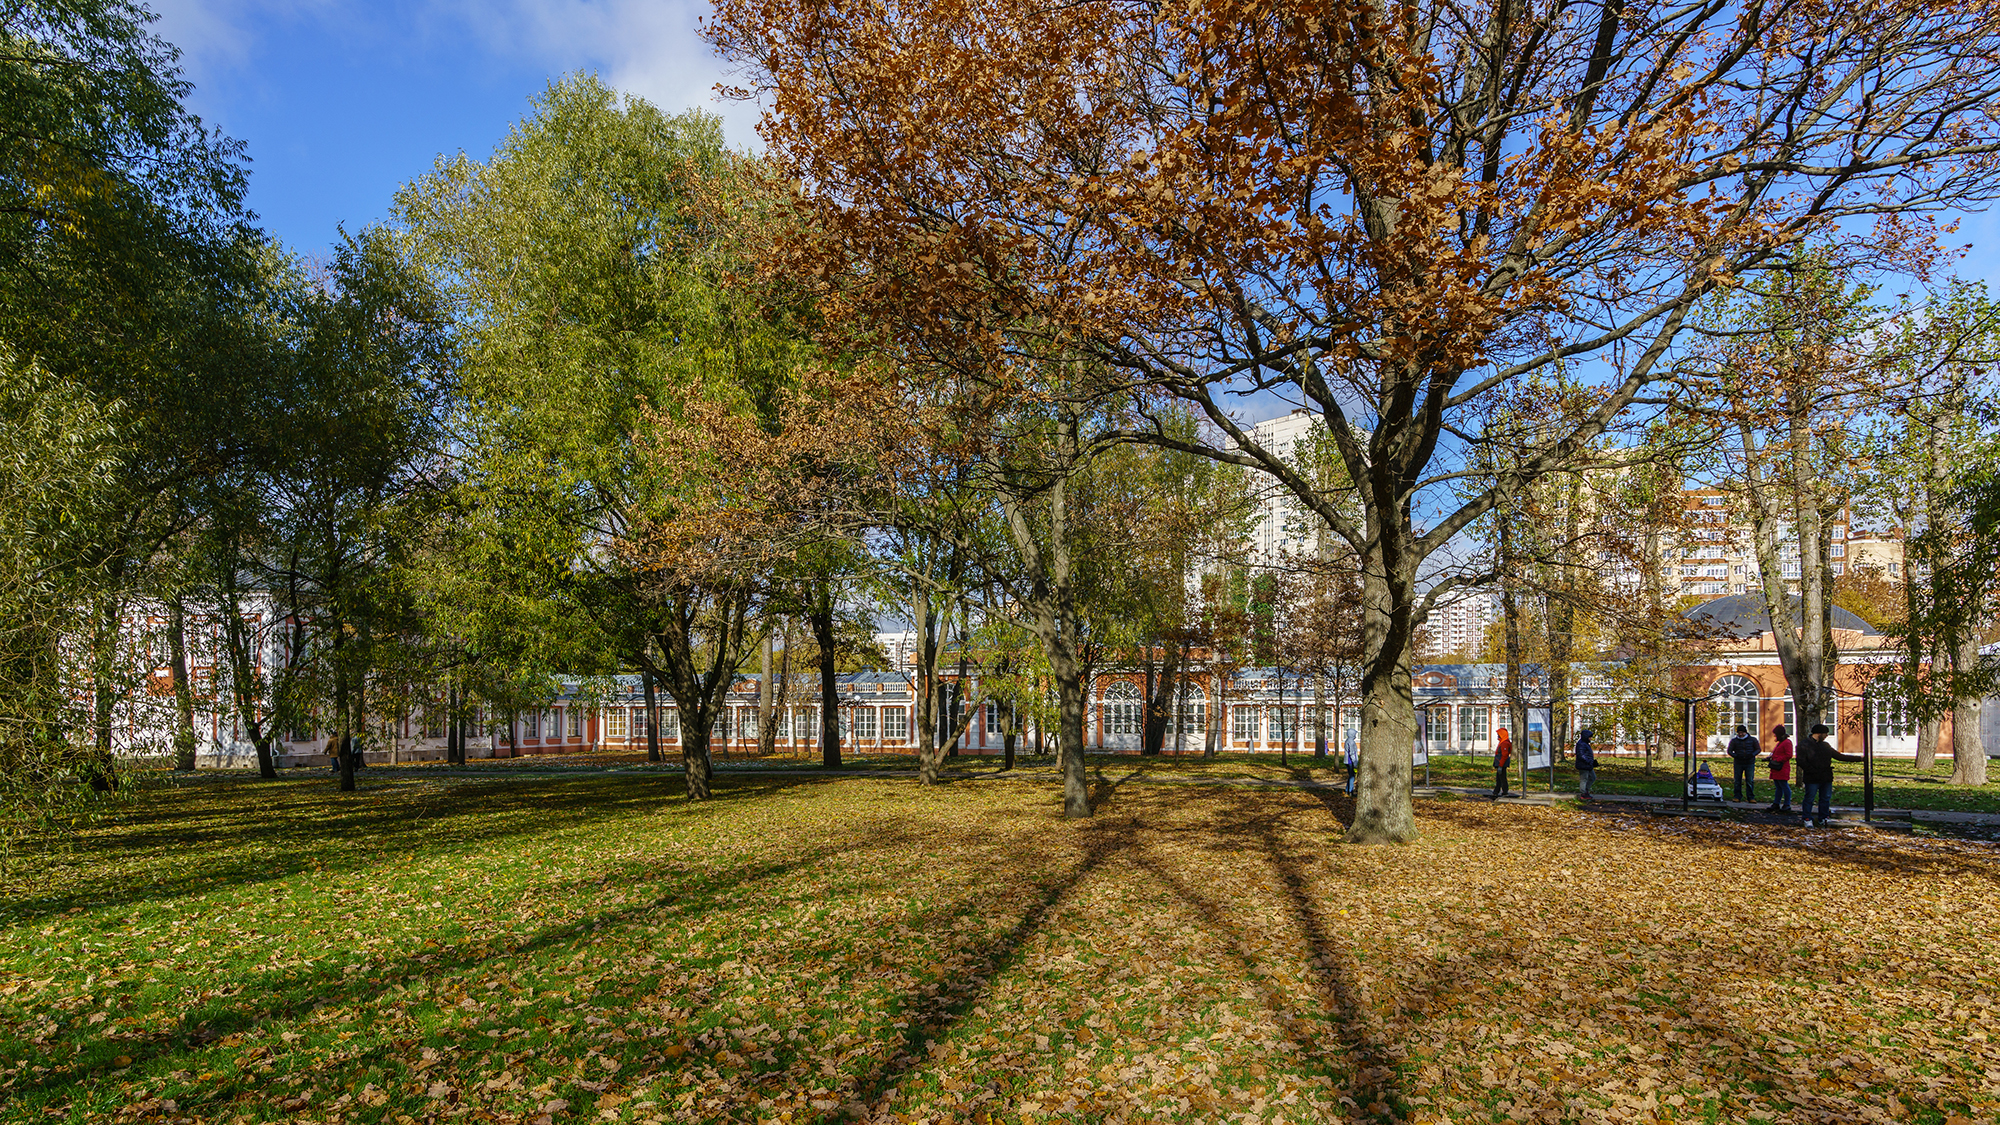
(343, 101)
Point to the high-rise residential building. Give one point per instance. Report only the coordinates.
(1283, 526)
(1458, 627)
(1717, 555)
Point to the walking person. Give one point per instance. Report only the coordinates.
(1816, 760)
(1781, 772)
(1743, 751)
(1503, 753)
(1586, 765)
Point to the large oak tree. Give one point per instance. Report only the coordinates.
(1387, 213)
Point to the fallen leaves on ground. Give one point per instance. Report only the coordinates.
(585, 949)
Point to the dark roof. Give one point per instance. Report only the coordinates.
(1742, 616)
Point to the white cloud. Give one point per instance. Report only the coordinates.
(651, 48)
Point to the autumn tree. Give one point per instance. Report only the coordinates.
(1389, 213)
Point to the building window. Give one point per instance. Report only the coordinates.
(614, 724)
(750, 722)
(808, 726)
(1284, 724)
(1243, 724)
(1124, 712)
(1440, 725)
(1838, 550)
(864, 723)
(670, 722)
(1472, 724)
(576, 722)
(895, 724)
(531, 725)
(784, 722)
(1891, 718)
(992, 719)
(1734, 699)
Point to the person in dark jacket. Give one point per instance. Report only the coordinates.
(1586, 765)
(1503, 753)
(1743, 751)
(1816, 758)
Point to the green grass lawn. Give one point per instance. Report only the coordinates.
(443, 948)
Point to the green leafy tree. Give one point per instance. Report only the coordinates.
(588, 266)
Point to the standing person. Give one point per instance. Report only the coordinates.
(1743, 751)
(1586, 765)
(1351, 755)
(1816, 759)
(1781, 772)
(1503, 753)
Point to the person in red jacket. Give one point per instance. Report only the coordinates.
(1503, 753)
(1781, 772)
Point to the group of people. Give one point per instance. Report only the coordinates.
(1815, 759)
(1503, 755)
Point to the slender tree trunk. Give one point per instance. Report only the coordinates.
(1159, 699)
(102, 769)
(1562, 623)
(343, 746)
(1319, 716)
(183, 691)
(1011, 727)
(829, 677)
(652, 701)
(267, 766)
(1054, 615)
(767, 708)
(1517, 700)
(1218, 721)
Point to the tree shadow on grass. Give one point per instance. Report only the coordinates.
(250, 1000)
(263, 832)
(1833, 846)
(1373, 1059)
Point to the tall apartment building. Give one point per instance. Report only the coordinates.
(1458, 627)
(1719, 557)
(1282, 525)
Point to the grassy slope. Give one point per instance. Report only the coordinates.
(580, 948)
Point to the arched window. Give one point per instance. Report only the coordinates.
(1124, 711)
(1734, 699)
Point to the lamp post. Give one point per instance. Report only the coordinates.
(1687, 703)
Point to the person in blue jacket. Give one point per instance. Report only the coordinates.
(1586, 765)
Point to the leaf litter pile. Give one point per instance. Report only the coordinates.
(869, 950)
